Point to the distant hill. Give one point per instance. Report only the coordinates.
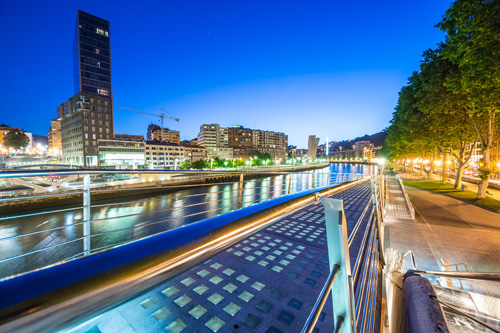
(377, 139)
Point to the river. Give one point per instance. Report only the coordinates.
(139, 217)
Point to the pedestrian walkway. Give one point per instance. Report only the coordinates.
(265, 283)
(396, 203)
(450, 229)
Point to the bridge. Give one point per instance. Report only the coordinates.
(309, 256)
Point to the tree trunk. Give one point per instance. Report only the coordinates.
(443, 166)
(485, 177)
(460, 172)
(485, 169)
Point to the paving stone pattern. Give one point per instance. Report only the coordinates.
(265, 283)
(396, 204)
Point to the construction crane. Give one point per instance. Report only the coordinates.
(161, 116)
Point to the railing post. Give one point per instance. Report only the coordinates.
(338, 254)
(328, 179)
(86, 214)
(314, 178)
(240, 192)
(289, 183)
(379, 216)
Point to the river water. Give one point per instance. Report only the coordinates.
(121, 220)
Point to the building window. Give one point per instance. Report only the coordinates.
(105, 103)
(98, 102)
(99, 109)
(91, 101)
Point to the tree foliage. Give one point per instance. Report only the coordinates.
(452, 100)
(16, 140)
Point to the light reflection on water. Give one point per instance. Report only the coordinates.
(169, 210)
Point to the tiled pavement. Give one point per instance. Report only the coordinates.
(265, 283)
(396, 204)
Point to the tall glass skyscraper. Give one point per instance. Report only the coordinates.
(92, 55)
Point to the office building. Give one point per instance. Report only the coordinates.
(156, 134)
(89, 119)
(215, 139)
(193, 152)
(163, 155)
(88, 115)
(92, 55)
(54, 136)
(121, 152)
(362, 149)
(245, 142)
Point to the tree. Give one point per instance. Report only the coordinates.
(200, 164)
(449, 124)
(473, 38)
(16, 139)
(186, 165)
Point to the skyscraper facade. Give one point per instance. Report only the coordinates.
(92, 55)
(88, 115)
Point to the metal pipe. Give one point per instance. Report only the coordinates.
(358, 223)
(45, 173)
(320, 302)
(159, 199)
(370, 225)
(157, 222)
(482, 276)
(40, 250)
(40, 231)
(494, 329)
(40, 213)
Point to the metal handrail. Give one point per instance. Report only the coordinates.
(40, 250)
(371, 225)
(159, 199)
(95, 294)
(45, 173)
(366, 289)
(407, 200)
(468, 268)
(39, 213)
(480, 276)
(466, 315)
(320, 303)
(358, 223)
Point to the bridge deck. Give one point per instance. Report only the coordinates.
(265, 283)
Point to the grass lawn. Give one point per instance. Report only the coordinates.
(447, 189)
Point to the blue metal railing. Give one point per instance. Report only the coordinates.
(73, 296)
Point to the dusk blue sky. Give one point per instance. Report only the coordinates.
(329, 68)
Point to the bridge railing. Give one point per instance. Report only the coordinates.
(354, 288)
(98, 282)
(95, 227)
